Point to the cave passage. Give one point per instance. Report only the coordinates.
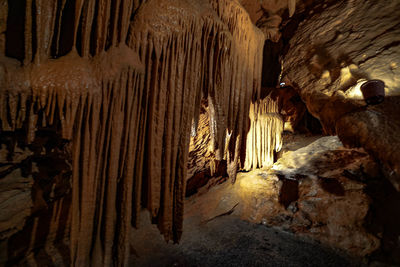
(212, 132)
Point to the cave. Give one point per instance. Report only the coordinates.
(199, 133)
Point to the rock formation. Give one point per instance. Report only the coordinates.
(119, 82)
(317, 191)
(108, 107)
(334, 50)
(264, 136)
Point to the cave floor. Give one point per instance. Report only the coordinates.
(230, 241)
(246, 224)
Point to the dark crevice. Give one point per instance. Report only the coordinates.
(34, 32)
(15, 37)
(93, 32)
(79, 36)
(67, 29)
(332, 186)
(271, 67)
(389, 30)
(289, 191)
(54, 44)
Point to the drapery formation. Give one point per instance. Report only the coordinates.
(123, 81)
(264, 137)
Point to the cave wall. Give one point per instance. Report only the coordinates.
(346, 42)
(337, 47)
(113, 87)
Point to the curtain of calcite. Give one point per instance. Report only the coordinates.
(129, 124)
(94, 95)
(264, 136)
(171, 52)
(191, 52)
(242, 84)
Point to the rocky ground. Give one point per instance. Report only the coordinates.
(230, 241)
(315, 191)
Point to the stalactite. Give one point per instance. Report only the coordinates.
(125, 96)
(86, 21)
(99, 118)
(264, 137)
(240, 81)
(172, 92)
(291, 7)
(45, 22)
(228, 75)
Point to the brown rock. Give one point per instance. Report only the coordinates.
(331, 54)
(305, 193)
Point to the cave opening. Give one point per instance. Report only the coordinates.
(199, 133)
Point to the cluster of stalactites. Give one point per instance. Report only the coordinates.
(189, 57)
(38, 30)
(125, 94)
(236, 83)
(264, 137)
(78, 76)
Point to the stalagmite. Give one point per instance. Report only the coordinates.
(124, 93)
(264, 137)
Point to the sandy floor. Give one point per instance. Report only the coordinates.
(229, 241)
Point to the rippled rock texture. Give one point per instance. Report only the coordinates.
(334, 50)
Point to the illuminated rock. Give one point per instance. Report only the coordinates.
(331, 55)
(264, 137)
(316, 191)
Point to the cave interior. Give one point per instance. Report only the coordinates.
(200, 133)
